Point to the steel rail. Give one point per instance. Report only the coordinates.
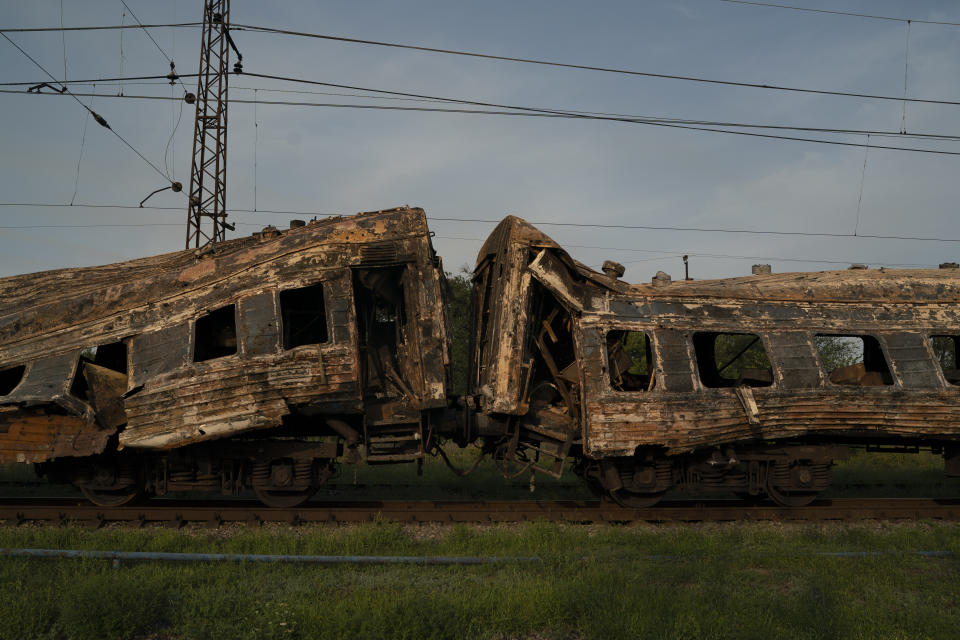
(15, 511)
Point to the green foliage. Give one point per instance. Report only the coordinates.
(458, 326)
(838, 351)
(734, 352)
(636, 345)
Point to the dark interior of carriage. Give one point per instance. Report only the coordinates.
(10, 378)
(381, 317)
(111, 356)
(216, 334)
(303, 316)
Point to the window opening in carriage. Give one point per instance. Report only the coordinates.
(945, 349)
(853, 360)
(10, 379)
(215, 334)
(630, 358)
(111, 356)
(732, 359)
(304, 317)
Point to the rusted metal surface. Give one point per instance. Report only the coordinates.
(340, 318)
(677, 429)
(262, 363)
(59, 511)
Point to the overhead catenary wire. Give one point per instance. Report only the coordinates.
(473, 54)
(542, 223)
(693, 125)
(541, 111)
(648, 74)
(664, 255)
(156, 44)
(108, 27)
(673, 125)
(772, 5)
(100, 120)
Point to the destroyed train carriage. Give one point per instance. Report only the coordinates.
(265, 362)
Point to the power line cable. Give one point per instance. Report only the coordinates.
(546, 113)
(542, 223)
(541, 111)
(648, 74)
(173, 74)
(100, 80)
(472, 54)
(839, 13)
(83, 140)
(100, 120)
(665, 254)
(580, 116)
(99, 27)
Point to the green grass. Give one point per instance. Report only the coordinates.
(710, 581)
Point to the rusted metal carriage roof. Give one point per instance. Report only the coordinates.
(905, 286)
(45, 302)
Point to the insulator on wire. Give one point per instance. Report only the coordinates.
(99, 118)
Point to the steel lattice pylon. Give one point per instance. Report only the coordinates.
(208, 176)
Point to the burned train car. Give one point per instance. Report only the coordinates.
(253, 363)
(732, 385)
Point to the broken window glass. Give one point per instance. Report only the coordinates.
(732, 359)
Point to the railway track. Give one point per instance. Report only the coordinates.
(15, 511)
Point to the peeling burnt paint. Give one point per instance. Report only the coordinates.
(901, 309)
(175, 397)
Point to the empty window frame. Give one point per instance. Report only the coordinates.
(111, 356)
(215, 334)
(732, 359)
(10, 379)
(630, 358)
(853, 360)
(303, 316)
(945, 350)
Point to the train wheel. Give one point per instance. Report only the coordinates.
(111, 497)
(791, 498)
(284, 498)
(634, 500)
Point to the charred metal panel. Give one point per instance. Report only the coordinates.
(555, 276)
(45, 380)
(793, 356)
(911, 360)
(685, 422)
(258, 328)
(674, 360)
(152, 354)
(106, 388)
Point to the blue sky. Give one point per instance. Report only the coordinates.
(341, 161)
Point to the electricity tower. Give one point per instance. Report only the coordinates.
(208, 175)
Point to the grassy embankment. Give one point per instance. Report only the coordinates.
(708, 581)
(705, 581)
